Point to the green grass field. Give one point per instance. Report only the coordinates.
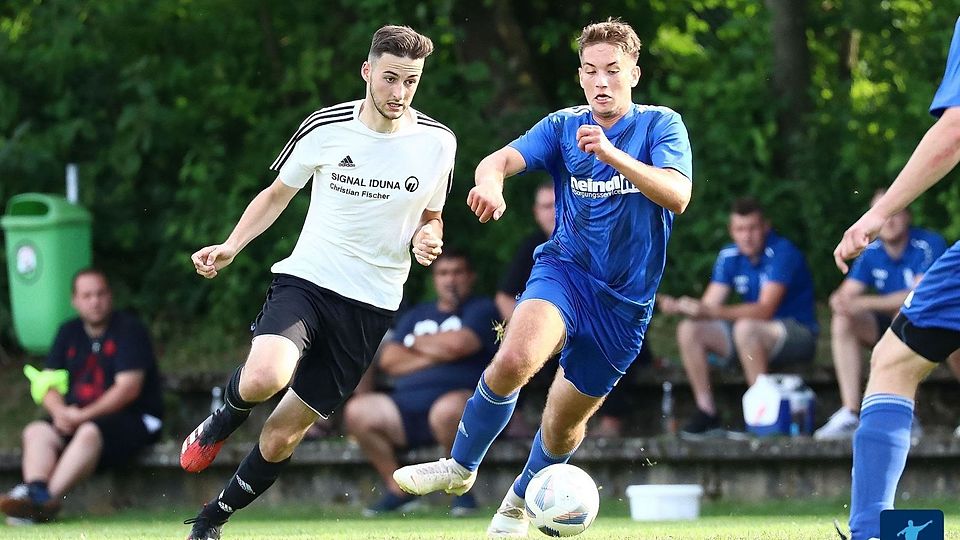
(805, 521)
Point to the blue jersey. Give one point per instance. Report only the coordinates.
(477, 314)
(948, 95)
(604, 224)
(781, 262)
(878, 271)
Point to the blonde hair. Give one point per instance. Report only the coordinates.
(612, 31)
(400, 41)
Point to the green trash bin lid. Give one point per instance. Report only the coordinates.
(40, 210)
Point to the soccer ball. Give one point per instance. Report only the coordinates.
(562, 500)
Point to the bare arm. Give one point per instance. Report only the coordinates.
(936, 155)
(771, 294)
(262, 211)
(448, 346)
(124, 390)
(486, 198)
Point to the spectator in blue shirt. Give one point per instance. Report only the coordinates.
(774, 323)
(867, 301)
(435, 358)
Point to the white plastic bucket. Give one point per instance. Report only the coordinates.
(664, 502)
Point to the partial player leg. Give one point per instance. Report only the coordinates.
(42, 446)
(755, 339)
(882, 441)
(268, 369)
(535, 332)
(281, 434)
(562, 429)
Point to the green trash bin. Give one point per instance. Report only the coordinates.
(48, 241)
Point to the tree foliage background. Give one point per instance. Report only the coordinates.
(173, 110)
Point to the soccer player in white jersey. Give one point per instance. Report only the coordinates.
(620, 172)
(381, 172)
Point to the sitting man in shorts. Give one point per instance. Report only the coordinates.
(105, 409)
(438, 351)
(774, 323)
(867, 301)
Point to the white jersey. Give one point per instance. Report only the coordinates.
(369, 192)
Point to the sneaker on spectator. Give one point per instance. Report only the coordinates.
(390, 503)
(841, 425)
(702, 426)
(463, 505)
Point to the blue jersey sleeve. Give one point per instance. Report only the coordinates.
(948, 95)
(723, 270)
(540, 144)
(670, 148)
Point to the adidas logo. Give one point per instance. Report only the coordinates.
(245, 486)
(347, 162)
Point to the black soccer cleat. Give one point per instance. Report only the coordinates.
(203, 528)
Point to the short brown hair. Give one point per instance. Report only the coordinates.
(612, 31)
(88, 271)
(400, 41)
(744, 206)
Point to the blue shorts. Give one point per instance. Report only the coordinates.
(935, 303)
(601, 343)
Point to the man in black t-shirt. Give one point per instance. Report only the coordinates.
(112, 407)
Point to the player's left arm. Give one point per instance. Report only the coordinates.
(665, 186)
(428, 240)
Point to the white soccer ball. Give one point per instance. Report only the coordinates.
(562, 500)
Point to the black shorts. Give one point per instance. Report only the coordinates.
(934, 344)
(124, 434)
(336, 336)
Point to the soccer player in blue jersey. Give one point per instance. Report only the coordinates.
(620, 173)
(866, 302)
(927, 330)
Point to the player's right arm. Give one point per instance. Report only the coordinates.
(486, 198)
(262, 211)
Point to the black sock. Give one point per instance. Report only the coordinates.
(236, 408)
(252, 478)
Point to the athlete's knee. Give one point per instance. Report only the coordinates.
(748, 332)
(513, 363)
(689, 332)
(260, 382)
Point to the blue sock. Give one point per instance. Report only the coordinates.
(484, 417)
(880, 448)
(539, 459)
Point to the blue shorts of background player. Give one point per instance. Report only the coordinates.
(601, 344)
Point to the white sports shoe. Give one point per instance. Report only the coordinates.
(511, 520)
(446, 475)
(841, 425)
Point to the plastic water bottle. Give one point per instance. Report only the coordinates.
(216, 399)
(666, 409)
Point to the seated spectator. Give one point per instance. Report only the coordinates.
(773, 324)
(438, 352)
(867, 301)
(109, 409)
